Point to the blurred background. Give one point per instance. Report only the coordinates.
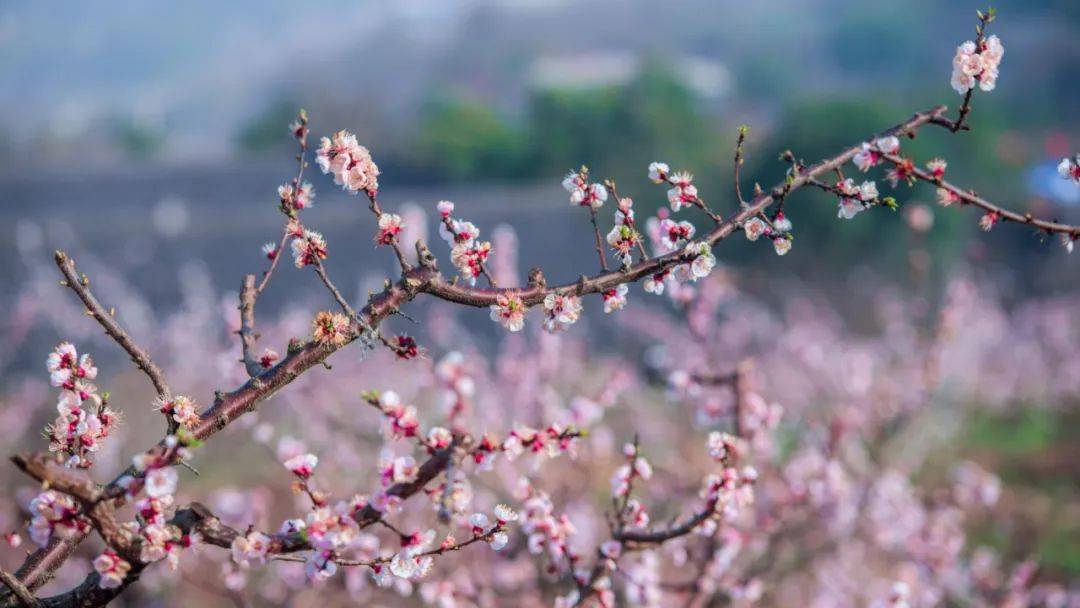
(149, 139)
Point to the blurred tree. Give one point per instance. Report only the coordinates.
(461, 139)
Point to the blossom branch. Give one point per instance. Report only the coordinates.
(80, 284)
(969, 197)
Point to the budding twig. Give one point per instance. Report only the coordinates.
(81, 286)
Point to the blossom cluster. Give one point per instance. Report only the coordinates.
(977, 65)
(83, 419)
(467, 252)
(583, 193)
(349, 162)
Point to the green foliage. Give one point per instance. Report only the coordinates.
(461, 139)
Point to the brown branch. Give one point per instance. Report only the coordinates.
(248, 295)
(80, 284)
(599, 239)
(23, 594)
(969, 197)
(739, 163)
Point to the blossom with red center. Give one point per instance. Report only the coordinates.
(870, 154)
(309, 248)
(672, 232)
(295, 199)
(181, 409)
(582, 193)
(936, 167)
(509, 311)
(615, 298)
(111, 569)
(268, 358)
(623, 239)
(946, 197)
(977, 65)
(658, 172)
(390, 225)
(330, 329)
(1069, 168)
(902, 171)
(560, 311)
(987, 221)
(405, 347)
(302, 465)
(683, 192)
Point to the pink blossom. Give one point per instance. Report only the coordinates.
(302, 465)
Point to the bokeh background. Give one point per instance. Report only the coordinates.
(149, 139)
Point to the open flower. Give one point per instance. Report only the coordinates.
(309, 248)
(615, 299)
(781, 244)
(1069, 168)
(509, 311)
(683, 191)
(296, 199)
(623, 238)
(111, 569)
(658, 172)
(703, 260)
(977, 65)
(250, 549)
(390, 225)
(754, 228)
(349, 163)
(330, 329)
(672, 232)
(560, 311)
(182, 409)
(161, 482)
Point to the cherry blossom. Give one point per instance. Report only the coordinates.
(872, 153)
(623, 239)
(509, 311)
(582, 193)
(1069, 168)
(390, 225)
(936, 167)
(111, 569)
(977, 65)
(560, 311)
(781, 244)
(658, 172)
(161, 482)
(270, 250)
(302, 465)
(249, 549)
(296, 199)
(702, 257)
(268, 358)
(308, 248)
(672, 232)
(615, 299)
(54, 513)
(330, 329)
(946, 197)
(683, 192)
(754, 228)
(349, 162)
(988, 220)
(181, 409)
